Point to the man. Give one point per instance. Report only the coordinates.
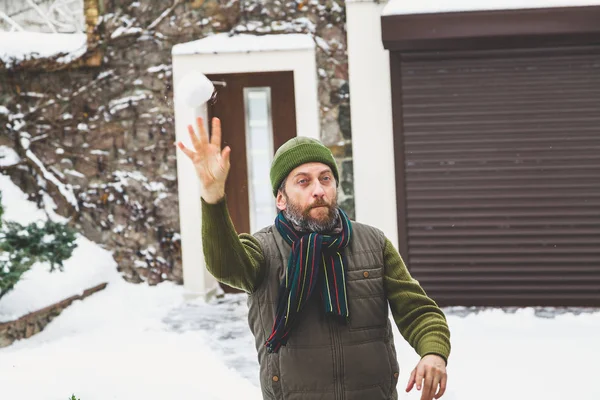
(319, 285)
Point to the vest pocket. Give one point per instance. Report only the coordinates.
(367, 313)
(367, 371)
(366, 298)
(371, 277)
(306, 370)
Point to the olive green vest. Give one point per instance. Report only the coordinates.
(324, 359)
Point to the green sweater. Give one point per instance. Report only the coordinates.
(238, 261)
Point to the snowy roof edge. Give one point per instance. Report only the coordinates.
(405, 7)
(245, 43)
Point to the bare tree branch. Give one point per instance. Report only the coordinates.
(65, 191)
(164, 15)
(42, 14)
(11, 21)
(59, 15)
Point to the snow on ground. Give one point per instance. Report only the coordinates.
(22, 45)
(496, 355)
(7, 155)
(115, 345)
(89, 265)
(16, 206)
(139, 342)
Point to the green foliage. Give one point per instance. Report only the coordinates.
(73, 398)
(51, 242)
(22, 246)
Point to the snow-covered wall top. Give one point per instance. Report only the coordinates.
(404, 7)
(18, 46)
(223, 43)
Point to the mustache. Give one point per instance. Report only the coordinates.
(319, 203)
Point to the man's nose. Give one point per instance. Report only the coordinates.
(318, 191)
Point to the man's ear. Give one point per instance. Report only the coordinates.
(281, 201)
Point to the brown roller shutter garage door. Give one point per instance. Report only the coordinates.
(498, 173)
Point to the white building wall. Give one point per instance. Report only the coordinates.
(371, 113)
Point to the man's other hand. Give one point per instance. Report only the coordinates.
(430, 375)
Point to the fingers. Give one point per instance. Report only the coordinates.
(429, 386)
(225, 154)
(411, 380)
(216, 132)
(442, 388)
(185, 150)
(203, 134)
(420, 376)
(194, 138)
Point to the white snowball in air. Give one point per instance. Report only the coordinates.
(195, 89)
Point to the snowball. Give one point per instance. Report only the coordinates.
(195, 89)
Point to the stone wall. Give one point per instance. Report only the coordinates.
(101, 137)
(35, 322)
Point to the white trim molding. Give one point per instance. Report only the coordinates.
(406, 7)
(371, 117)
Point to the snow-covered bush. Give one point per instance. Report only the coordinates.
(22, 246)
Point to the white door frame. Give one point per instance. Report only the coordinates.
(221, 54)
(371, 117)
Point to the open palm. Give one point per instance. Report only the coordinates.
(211, 163)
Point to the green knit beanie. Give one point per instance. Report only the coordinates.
(295, 152)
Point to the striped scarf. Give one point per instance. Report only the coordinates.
(315, 258)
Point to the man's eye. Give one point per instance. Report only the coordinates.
(326, 178)
(302, 181)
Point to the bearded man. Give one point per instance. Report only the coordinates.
(318, 284)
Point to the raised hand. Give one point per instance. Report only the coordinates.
(211, 163)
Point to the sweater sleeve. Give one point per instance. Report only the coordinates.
(236, 260)
(420, 321)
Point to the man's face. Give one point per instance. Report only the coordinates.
(309, 198)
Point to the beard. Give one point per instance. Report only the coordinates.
(302, 220)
